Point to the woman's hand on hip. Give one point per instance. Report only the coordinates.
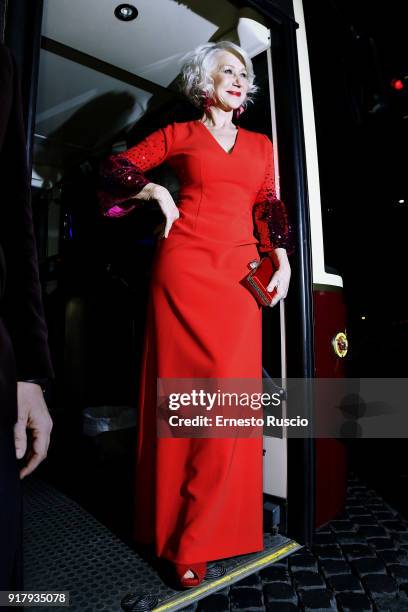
(166, 203)
(280, 280)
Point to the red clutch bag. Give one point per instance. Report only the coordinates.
(258, 279)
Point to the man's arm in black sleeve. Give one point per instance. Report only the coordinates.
(21, 308)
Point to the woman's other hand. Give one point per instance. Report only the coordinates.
(280, 280)
(165, 200)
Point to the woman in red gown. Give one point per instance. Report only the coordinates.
(200, 499)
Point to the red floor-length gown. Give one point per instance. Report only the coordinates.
(200, 499)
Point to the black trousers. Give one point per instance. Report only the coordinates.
(11, 515)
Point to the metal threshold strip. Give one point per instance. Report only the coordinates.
(67, 549)
(236, 568)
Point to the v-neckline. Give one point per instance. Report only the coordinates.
(231, 151)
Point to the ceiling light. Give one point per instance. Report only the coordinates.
(126, 12)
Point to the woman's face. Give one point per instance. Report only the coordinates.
(230, 81)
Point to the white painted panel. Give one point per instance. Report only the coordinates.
(312, 165)
(275, 466)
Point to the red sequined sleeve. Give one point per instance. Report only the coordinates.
(121, 175)
(272, 225)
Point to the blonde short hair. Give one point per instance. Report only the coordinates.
(196, 81)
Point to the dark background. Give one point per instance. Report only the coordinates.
(355, 50)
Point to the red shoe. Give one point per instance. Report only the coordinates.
(199, 569)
